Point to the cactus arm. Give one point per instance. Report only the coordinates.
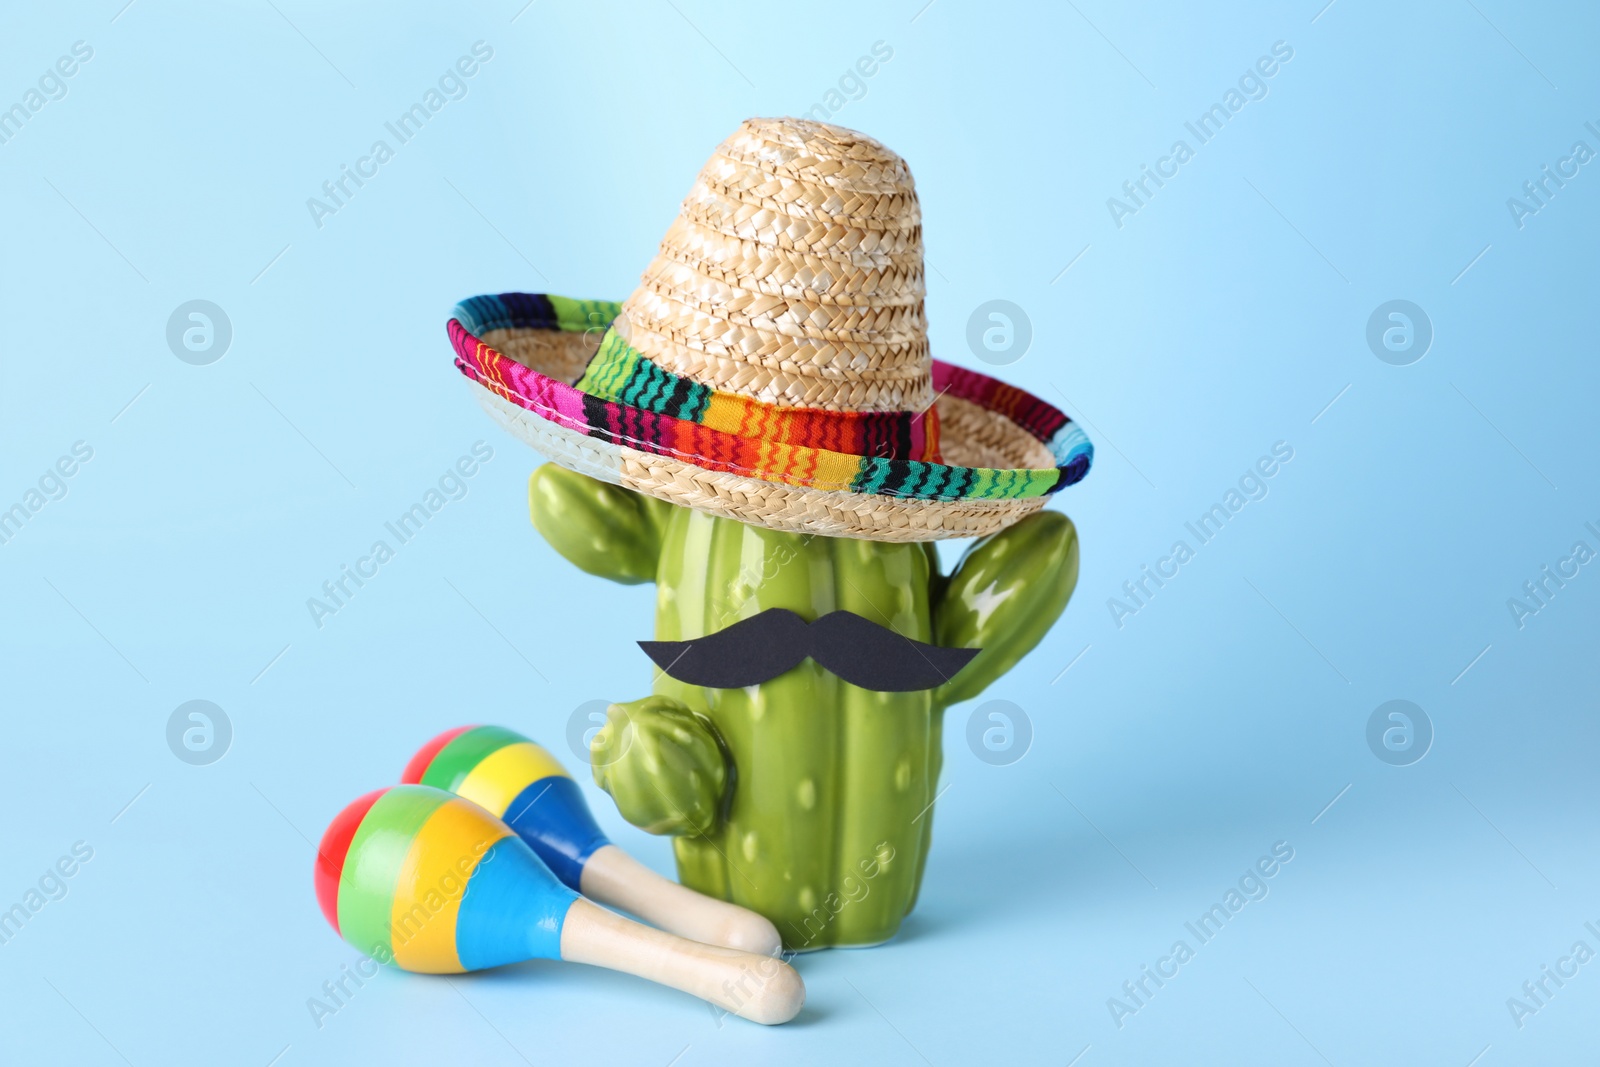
(602, 529)
(657, 512)
(1004, 596)
(664, 765)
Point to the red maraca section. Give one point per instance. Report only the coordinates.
(419, 763)
(331, 852)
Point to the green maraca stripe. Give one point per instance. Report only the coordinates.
(457, 759)
(372, 866)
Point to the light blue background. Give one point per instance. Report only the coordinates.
(1223, 317)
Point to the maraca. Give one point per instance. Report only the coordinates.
(432, 882)
(521, 783)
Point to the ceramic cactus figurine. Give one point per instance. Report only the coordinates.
(762, 431)
(805, 798)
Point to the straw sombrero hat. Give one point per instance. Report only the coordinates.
(773, 365)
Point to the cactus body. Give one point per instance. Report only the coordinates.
(831, 778)
(805, 798)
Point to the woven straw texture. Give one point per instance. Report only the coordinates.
(793, 274)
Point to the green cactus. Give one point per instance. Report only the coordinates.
(805, 798)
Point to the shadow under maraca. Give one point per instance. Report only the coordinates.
(605, 989)
(809, 1016)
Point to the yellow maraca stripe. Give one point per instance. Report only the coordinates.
(432, 879)
(503, 774)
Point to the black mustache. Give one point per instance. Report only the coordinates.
(856, 649)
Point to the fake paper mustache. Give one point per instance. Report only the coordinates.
(856, 649)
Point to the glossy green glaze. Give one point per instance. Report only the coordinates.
(805, 798)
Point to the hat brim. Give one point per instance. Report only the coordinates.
(1007, 451)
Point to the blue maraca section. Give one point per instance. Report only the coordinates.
(513, 909)
(552, 817)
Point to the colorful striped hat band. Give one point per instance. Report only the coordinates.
(773, 365)
(683, 422)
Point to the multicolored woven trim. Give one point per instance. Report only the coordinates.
(536, 311)
(620, 372)
(713, 448)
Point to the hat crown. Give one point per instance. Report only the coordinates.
(793, 274)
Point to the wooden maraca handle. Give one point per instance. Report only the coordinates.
(613, 877)
(758, 988)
